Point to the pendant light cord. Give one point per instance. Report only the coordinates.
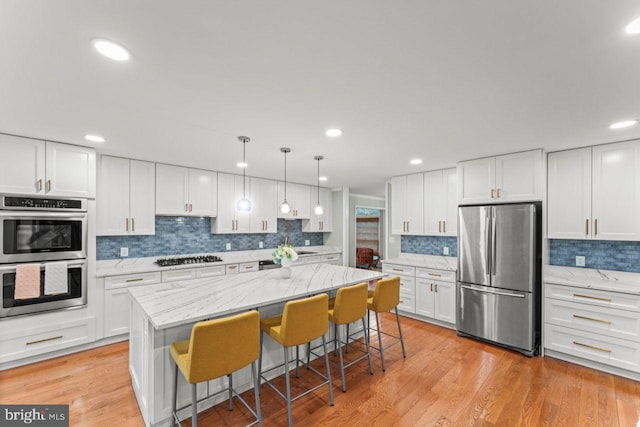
(285, 176)
(244, 169)
(318, 181)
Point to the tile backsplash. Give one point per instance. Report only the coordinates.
(188, 235)
(429, 245)
(599, 254)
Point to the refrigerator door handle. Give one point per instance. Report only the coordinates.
(493, 244)
(493, 292)
(487, 224)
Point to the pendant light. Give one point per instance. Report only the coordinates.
(318, 210)
(244, 204)
(285, 208)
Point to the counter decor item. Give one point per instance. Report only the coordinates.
(285, 255)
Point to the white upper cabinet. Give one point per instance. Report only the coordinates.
(298, 197)
(182, 191)
(594, 193)
(229, 219)
(126, 197)
(320, 223)
(569, 194)
(407, 194)
(264, 209)
(440, 202)
(616, 191)
(509, 178)
(29, 166)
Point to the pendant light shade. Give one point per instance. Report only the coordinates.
(318, 210)
(285, 208)
(244, 204)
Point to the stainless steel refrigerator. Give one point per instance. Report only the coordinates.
(498, 292)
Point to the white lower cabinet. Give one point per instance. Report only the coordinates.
(407, 276)
(588, 325)
(436, 294)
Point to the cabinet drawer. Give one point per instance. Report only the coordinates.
(600, 348)
(248, 267)
(395, 269)
(127, 280)
(407, 302)
(174, 275)
(407, 285)
(609, 321)
(232, 269)
(45, 339)
(442, 275)
(313, 259)
(593, 297)
(218, 270)
(331, 259)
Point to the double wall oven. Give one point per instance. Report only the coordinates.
(35, 234)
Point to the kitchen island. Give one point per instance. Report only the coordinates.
(164, 313)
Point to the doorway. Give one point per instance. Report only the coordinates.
(369, 237)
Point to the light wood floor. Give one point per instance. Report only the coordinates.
(445, 380)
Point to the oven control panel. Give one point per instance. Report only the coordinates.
(40, 203)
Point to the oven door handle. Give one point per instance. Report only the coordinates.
(43, 214)
(70, 264)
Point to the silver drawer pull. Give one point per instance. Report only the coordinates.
(139, 279)
(435, 274)
(592, 347)
(45, 340)
(608, 322)
(590, 297)
(397, 269)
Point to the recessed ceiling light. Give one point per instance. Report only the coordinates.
(633, 27)
(94, 138)
(623, 124)
(242, 164)
(322, 178)
(416, 161)
(333, 132)
(111, 50)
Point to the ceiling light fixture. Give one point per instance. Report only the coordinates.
(244, 204)
(623, 124)
(318, 210)
(633, 27)
(323, 178)
(111, 50)
(94, 138)
(333, 132)
(416, 161)
(285, 208)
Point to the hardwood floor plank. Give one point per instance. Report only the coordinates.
(445, 380)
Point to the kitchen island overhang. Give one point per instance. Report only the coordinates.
(164, 313)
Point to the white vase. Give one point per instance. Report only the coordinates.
(286, 262)
(285, 272)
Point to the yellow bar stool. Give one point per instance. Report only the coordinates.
(301, 322)
(385, 297)
(349, 305)
(217, 348)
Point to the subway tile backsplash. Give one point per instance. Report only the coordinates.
(599, 254)
(188, 235)
(429, 245)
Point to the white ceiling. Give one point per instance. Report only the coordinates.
(438, 79)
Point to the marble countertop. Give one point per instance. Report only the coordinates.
(172, 304)
(436, 262)
(616, 281)
(116, 267)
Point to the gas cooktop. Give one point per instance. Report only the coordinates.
(167, 262)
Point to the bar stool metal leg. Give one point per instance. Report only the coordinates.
(286, 376)
(344, 386)
(400, 333)
(256, 392)
(194, 405)
(230, 392)
(297, 361)
(326, 362)
(380, 340)
(346, 341)
(260, 360)
(174, 395)
(366, 343)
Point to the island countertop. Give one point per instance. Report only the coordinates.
(177, 303)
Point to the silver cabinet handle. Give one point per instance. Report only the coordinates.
(595, 227)
(44, 340)
(493, 193)
(133, 225)
(498, 193)
(139, 279)
(49, 185)
(431, 287)
(190, 207)
(186, 207)
(444, 226)
(40, 185)
(436, 287)
(126, 224)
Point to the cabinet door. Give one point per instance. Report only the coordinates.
(243, 219)
(519, 177)
(113, 196)
(616, 191)
(398, 204)
(70, 170)
(414, 204)
(476, 179)
(116, 312)
(433, 203)
(326, 219)
(424, 298)
(302, 202)
(203, 186)
(21, 165)
(444, 301)
(142, 197)
(569, 194)
(450, 202)
(225, 221)
(172, 184)
(264, 208)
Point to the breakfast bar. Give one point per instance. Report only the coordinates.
(164, 313)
